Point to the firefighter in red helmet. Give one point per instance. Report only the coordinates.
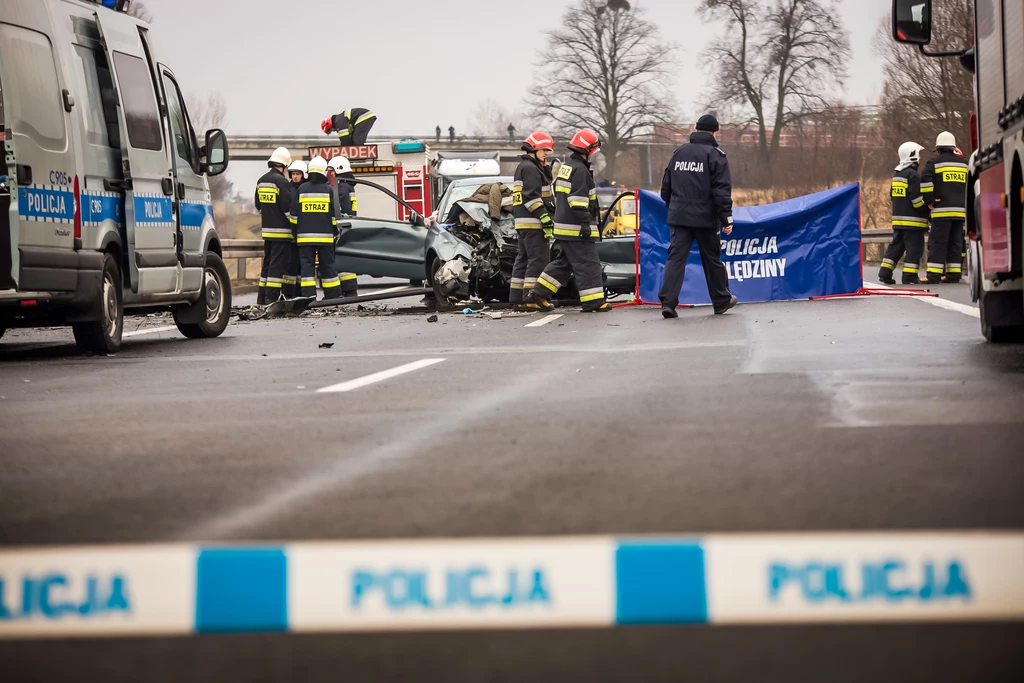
(575, 230)
(532, 204)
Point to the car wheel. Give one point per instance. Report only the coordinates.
(215, 300)
(441, 302)
(103, 336)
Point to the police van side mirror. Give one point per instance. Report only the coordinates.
(912, 21)
(216, 152)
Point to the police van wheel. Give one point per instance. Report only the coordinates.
(103, 336)
(215, 300)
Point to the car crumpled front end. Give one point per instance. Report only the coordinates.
(475, 254)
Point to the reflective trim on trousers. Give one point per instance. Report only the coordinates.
(909, 269)
(290, 279)
(549, 282)
(345, 277)
(315, 239)
(889, 263)
(308, 282)
(936, 268)
(529, 283)
(949, 213)
(953, 268)
(591, 294)
(329, 283)
(517, 283)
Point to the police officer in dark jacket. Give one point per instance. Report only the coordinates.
(698, 190)
(273, 200)
(532, 205)
(944, 186)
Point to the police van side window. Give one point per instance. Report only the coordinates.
(185, 153)
(99, 100)
(139, 102)
(32, 96)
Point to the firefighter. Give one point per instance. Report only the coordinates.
(909, 218)
(944, 186)
(697, 187)
(290, 290)
(352, 125)
(315, 223)
(532, 205)
(345, 196)
(575, 230)
(273, 200)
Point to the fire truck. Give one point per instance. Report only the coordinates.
(401, 167)
(995, 195)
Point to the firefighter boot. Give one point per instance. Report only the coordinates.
(535, 303)
(603, 308)
(885, 276)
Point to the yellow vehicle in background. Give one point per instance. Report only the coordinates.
(622, 220)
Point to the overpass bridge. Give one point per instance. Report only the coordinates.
(246, 147)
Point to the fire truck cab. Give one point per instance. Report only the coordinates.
(995, 195)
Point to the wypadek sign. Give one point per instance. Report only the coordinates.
(351, 152)
(796, 249)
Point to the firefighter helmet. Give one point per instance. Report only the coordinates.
(340, 165)
(910, 153)
(280, 157)
(298, 165)
(538, 140)
(585, 142)
(318, 165)
(327, 125)
(945, 139)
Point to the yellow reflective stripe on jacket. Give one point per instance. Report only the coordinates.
(917, 203)
(927, 187)
(534, 205)
(909, 224)
(368, 115)
(276, 233)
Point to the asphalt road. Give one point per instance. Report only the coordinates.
(867, 413)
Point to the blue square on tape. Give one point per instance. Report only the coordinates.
(660, 583)
(241, 590)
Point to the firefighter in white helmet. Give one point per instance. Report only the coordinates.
(944, 184)
(273, 199)
(909, 218)
(345, 198)
(297, 176)
(315, 228)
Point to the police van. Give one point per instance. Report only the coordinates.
(104, 201)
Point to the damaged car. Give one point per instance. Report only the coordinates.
(465, 249)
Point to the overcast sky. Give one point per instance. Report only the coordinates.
(416, 63)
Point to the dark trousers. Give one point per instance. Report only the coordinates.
(574, 258)
(909, 241)
(275, 262)
(945, 249)
(533, 256)
(308, 254)
(349, 285)
(291, 273)
(261, 297)
(710, 245)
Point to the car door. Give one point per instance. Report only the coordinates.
(191, 200)
(380, 247)
(150, 225)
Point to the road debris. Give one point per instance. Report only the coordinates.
(326, 345)
(432, 319)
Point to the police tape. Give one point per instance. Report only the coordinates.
(546, 582)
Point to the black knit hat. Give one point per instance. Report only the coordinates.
(708, 122)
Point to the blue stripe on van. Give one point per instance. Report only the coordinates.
(102, 206)
(153, 210)
(193, 213)
(47, 203)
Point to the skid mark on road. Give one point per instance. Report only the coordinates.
(545, 320)
(379, 376)
(414, 440)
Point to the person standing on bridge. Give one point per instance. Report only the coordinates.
(511, 133)
(451, 134)
(346, 207)
(532, 204)
(944, 185)
(352, 125)
(273, 200)
(437, 134)
(697, 187)
(313, 215)
(575, 230)
(290, 290)
(909, 219)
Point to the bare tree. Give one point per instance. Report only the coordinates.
(138, 9)
(491, 120)
(923, 96)
(777, 62)
(607, 70)
(206, 113)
